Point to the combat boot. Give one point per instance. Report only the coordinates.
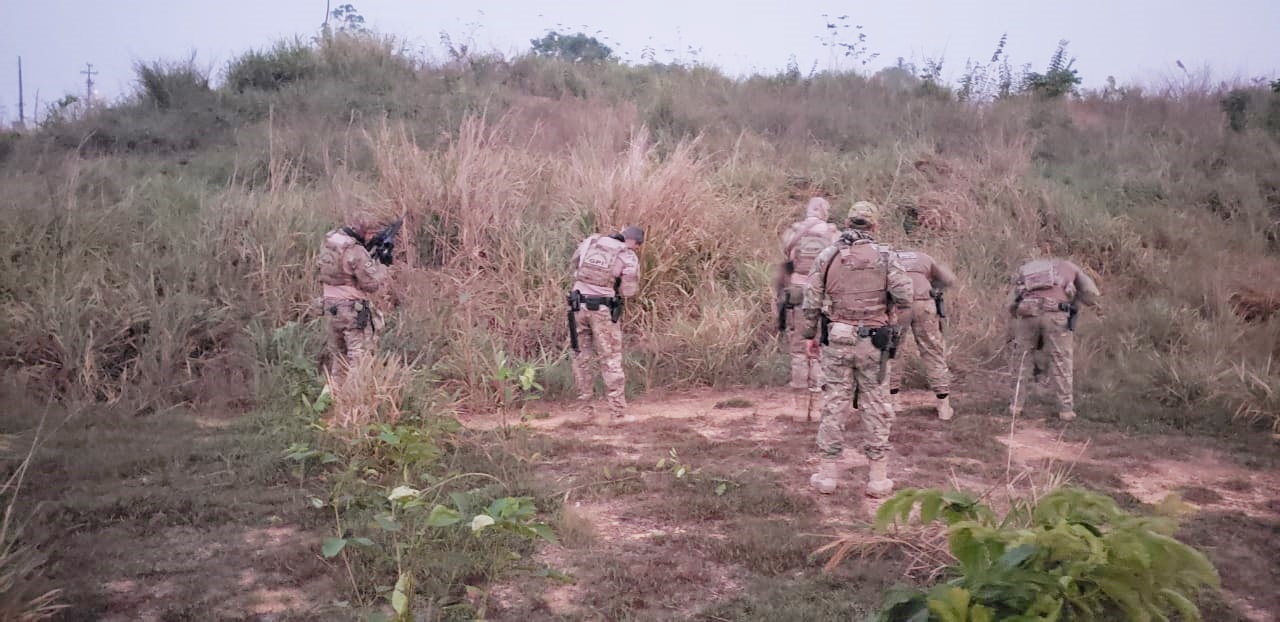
(944, 408)
(827, 477)
(1067, 415)
(878, 483)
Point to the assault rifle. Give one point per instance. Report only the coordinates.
(1072, 310)
(381, 245)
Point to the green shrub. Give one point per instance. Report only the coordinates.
(1071, 554)
(172, 85)
(270, 70)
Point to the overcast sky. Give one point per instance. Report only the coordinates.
(1133, 40)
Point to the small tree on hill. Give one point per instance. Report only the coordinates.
(576, 48)
(346, 18)
(1058, 79)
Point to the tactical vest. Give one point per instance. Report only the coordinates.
(595, 265)
(857, 282)
(1045, 279)
(333, 270)
(812, 240)
(918, 266)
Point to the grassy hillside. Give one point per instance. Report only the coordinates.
(153, 246)
(159, 253)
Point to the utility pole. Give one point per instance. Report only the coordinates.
(88, 84)
(22, 109)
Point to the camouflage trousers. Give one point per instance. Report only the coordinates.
(805, 372)
(1047, 330)
(600, 346)
(851, 365)
(349, 342)
(922, 322)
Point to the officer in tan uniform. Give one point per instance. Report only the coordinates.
(606, 271)
(349, 276)
(854, 289)
(1042, 304)
(801, 244)
(928, 279)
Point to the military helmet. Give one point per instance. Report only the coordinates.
(863, 215)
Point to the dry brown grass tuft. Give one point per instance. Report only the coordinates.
(372, 392)
(924, 548)
(1253, 305)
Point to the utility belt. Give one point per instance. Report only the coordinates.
(884, 338)
(364, 311)
(1033, 306)
(593, 303)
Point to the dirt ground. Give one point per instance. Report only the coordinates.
(175, 516)
(698, 508)
(642, 543)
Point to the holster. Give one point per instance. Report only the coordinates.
(1071, 309)
(880, 337)
(884, 338)
(364, 312)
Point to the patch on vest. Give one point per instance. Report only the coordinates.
(1043, 278)
(595, 265)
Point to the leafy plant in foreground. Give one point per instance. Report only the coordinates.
(1070, 555)
(410, 526)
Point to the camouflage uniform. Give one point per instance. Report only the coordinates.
(599, 262)
(349, 275)
(1043, 290)
(921, 321)
(853, 284)
(801, 244)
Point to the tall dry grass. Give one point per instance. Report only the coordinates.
(136, 278)
(495, 225)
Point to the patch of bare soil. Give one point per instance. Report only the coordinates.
(701, 495)
(175, 517)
